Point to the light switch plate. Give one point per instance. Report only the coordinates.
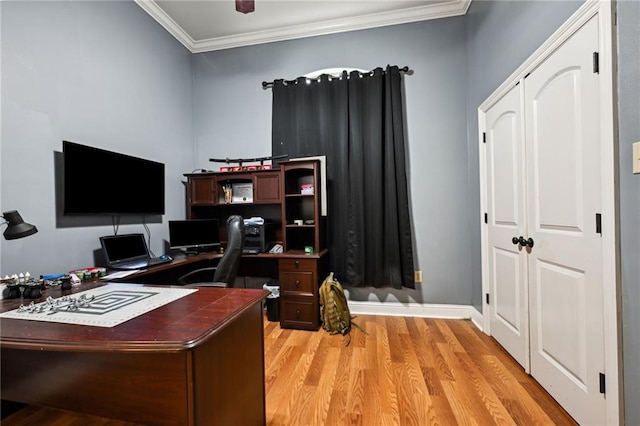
(636, 158)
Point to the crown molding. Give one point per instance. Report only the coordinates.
(414, 14)
(167, 22)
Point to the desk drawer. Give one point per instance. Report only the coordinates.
(301, 314)
(292, 265)
(299, 293)
(297, 283)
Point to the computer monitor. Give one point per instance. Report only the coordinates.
(194, 235)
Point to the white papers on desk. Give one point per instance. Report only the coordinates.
(255, 220)
(119, 274)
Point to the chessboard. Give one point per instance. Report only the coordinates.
(105, 306)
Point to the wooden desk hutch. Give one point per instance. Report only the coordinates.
(282, 196)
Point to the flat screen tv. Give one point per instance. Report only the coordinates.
(194, 235)
(102, 182)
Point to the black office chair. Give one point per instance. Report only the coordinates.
(224, 274)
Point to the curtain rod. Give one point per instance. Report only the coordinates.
(267, 84)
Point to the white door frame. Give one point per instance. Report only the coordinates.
(605, 10)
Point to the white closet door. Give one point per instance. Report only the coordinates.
(564, 191)
(506, 206)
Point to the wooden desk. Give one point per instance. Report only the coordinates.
(198, 360)
(299, 275)
(256, 265)
(168, 273)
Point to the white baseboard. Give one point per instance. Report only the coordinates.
(417, 310)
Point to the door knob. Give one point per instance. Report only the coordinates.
(515, 240)
(523, 242)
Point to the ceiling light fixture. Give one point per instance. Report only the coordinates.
(245, 6)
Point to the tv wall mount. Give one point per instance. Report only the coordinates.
(241, 163)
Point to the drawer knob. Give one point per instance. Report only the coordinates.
(298, 313)
(297, 283)
(297, 264)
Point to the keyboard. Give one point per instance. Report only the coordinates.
(144, 263)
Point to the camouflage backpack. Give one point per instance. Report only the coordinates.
(334, 310)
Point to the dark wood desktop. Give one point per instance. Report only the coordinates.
(263, 265)
(298, 274)
(198, 360)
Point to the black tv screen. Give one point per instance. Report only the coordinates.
(98, 181)
(194, 234)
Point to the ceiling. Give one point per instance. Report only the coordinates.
(206, 25)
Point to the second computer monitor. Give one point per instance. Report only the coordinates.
(194, 235)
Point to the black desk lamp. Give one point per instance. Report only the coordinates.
(16, 227)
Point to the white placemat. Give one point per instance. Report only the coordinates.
(105, 306)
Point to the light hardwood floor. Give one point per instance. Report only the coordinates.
(406, 371)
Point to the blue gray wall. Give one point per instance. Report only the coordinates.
(232, 118)
(629, 132)
(98, 73)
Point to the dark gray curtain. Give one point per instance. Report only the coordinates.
(357, 122)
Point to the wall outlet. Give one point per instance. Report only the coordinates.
(636, 158)
(417, 276)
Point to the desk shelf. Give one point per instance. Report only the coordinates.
(283, 195)
(255, 187)
(300, 277)
(299, 205)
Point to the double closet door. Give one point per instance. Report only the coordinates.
(544, 246)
